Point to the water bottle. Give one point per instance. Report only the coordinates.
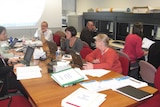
(58, 54)
(10, 40)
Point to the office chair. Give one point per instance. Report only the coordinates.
(125, 62)
(155, 100)
(11, 99)
(56, 39)
(85, 50)
(147, 71)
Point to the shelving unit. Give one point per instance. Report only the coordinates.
(120, 23)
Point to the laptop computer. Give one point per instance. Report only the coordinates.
(76, 58)
(28, 56)
(52, 47)
(13, 43)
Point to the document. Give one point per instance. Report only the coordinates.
(134, 93)
(113, 83)
(83, 98)
(146, 43)
(126, 80)
(96, 72)
(67, 77)
(28, 72)
(96, 86)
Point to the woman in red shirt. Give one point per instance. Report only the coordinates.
(103, 57)
(133, 48)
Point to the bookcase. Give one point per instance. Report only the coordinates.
(119, 24)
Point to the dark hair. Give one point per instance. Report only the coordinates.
(2, 29)
(138, 29)
(72, 30)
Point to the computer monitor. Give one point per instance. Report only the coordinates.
(122, 30)
(149, 31)
(157, 35)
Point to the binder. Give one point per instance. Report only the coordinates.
(67, 77)
(134, 93)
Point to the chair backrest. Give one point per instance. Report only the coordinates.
(85, 50)
(56, 39)
(125, 62)
(147, 71)
(123, 54)
(157, 79)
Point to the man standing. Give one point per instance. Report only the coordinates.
(88, 33)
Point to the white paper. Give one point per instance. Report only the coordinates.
(67, 76)
(146, 43)
(83, 98)
(96, 72)
(113, 84)
(28, 72)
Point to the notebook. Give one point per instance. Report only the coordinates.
(134, 93)
(28, 56)
(52, 47)
(13, 43)
(76, 58)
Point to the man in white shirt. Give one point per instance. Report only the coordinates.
(47, 33)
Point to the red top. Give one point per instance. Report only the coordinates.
(109, 60)
(133, 47)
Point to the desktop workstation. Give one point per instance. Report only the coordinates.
(45, 92)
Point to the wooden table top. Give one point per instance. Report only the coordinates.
(45, 92)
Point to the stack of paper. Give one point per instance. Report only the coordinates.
(67, 77)
(28, 72)
(83, 98)
(113, 84)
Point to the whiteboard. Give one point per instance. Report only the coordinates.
(30, 13)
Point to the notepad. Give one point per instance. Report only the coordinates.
(134, 93)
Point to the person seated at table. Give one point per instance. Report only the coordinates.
(154, 54)
(71, 42)
(44, 34)
(88, 33)
(103, 57)
(4, 63)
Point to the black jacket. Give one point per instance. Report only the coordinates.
(154, 54)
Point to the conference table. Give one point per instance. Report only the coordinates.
(45, 92)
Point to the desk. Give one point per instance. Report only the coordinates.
(45, 92)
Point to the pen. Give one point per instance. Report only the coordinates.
(72, 104)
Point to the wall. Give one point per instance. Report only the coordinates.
(52, 14)
(84, 5)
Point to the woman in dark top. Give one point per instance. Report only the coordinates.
(6, 71)
(154, 54)
(71, 42)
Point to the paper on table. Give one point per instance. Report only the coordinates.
(112, 83)
(96, 86)
(28, 72)
(83, 98)
(96, 72)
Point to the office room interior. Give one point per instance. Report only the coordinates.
(58, 11)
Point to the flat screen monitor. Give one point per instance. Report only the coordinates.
(149, 31)
(122, 30)
(157, 36)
